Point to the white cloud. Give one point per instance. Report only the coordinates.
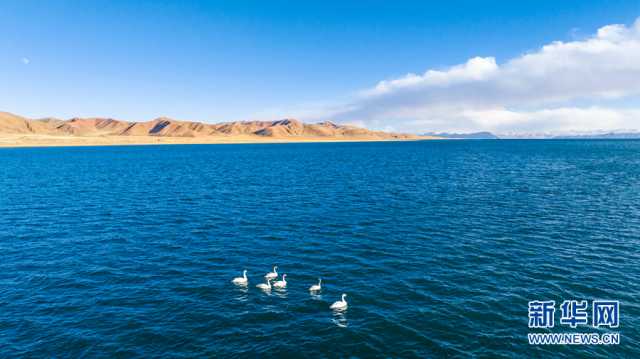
(476, 69)
(25, 61)
(537, 91)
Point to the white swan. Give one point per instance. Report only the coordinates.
(265, 286)
(272, 275)
(341, 304)
(316, 287)
(241, 280)
(281, 283)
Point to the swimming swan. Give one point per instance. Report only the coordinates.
(316, 287)
(281, 283)
(341, 304)
(264, 286)
(241, 280)
(272, 275)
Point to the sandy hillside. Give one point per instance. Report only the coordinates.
(16, 131)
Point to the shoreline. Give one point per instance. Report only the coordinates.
(36, 141)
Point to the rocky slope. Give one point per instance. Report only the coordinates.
(167, 127)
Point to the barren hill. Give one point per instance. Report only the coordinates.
(167, 130)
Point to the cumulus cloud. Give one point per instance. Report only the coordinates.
(584, 85)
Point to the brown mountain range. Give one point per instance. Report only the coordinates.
(166, 130)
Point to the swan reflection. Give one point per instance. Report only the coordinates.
(242, 293)
(340, 317)
(280, 292)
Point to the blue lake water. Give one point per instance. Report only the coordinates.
(129, 251)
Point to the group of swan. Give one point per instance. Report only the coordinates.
(244, 281)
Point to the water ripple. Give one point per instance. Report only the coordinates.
(130, 251)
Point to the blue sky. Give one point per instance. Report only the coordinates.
(235, 60)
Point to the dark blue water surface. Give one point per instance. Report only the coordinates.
(129, 251)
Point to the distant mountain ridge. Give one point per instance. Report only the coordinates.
(167, 127)
(607, 135)
(601, 134)
(469, 136)
(485, 135)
